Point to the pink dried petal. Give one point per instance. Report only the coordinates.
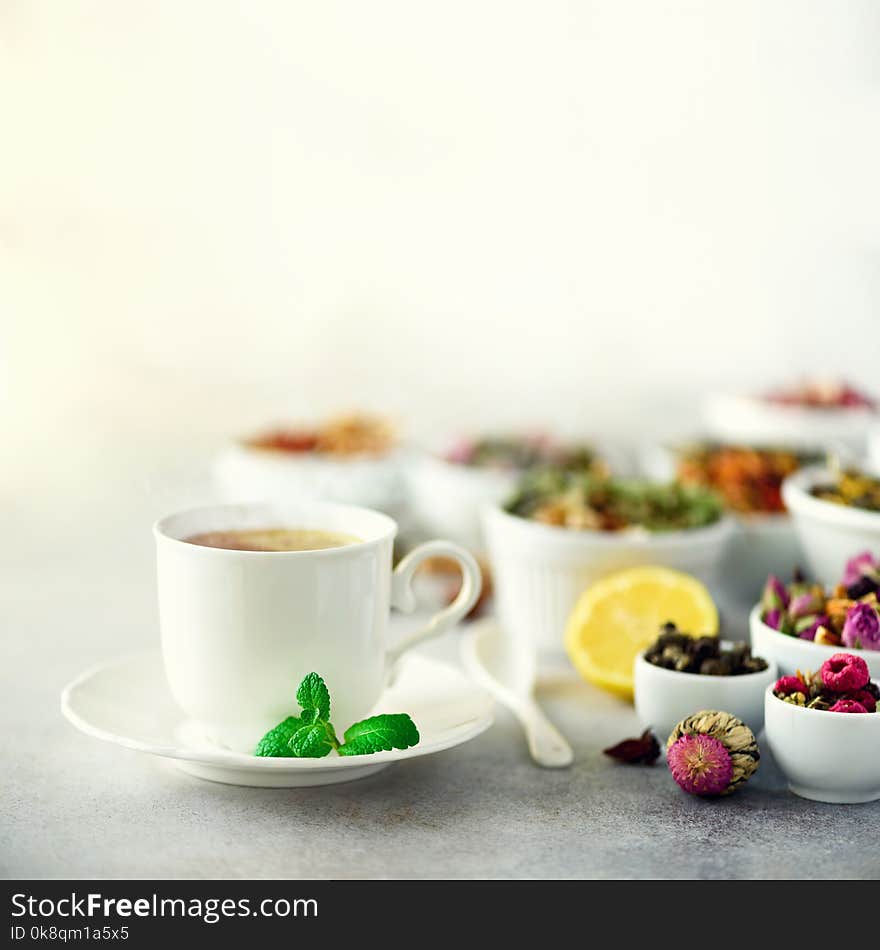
(700, 764)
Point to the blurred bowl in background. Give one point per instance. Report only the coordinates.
(352, 459)
(245, 474)
(872, 459)
(759, 546)
(541, 570)
(756, 420)
(446, 497)
(829, 533)
(763, 542)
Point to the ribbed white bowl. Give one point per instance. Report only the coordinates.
(540, 571)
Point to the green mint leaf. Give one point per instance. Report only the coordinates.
(380, 734)
(275, 742)
(313, 694)
(313, 741)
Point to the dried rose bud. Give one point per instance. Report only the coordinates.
(861, 629)
(773, 618)
(806, 603)
(641, 751)
(806, 627)
(774, 596)
(857, 567)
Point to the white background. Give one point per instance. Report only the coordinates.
(579, 214)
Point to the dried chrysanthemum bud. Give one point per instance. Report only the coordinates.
(691, 762)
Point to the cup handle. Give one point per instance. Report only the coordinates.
(403, 598)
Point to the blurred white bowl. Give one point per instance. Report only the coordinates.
(830, 534)
(540, 570)
(762, 543)
(872, 460)
(656, 461)
(792, 654)
(243, 474)
(755, 421)
(664, 697)
(446, 498)
(825, 756)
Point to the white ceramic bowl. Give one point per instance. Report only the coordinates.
(830, 534)
(872, 460)
(243, 474)
(760, 545)
(754, 421)
(825, 756)
(446, 498)
(540, 570)
(792, 654)
(664, 697)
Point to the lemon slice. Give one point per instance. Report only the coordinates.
(621, 615)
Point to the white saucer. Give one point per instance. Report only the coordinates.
(127, 701)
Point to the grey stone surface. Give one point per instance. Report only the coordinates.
(71, 806)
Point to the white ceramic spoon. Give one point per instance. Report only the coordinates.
(508, 673)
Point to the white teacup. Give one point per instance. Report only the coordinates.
(240, 629)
